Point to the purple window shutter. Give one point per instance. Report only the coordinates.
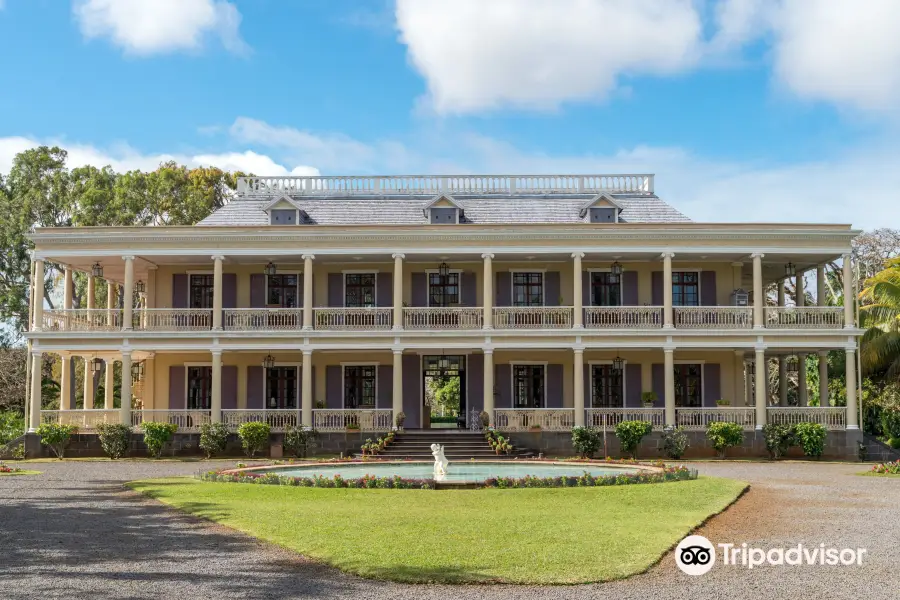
(630, 288)
(468, 289)
(633, 385)
(712, 384)
(315, 399)
(585, 288)
(503, 386)
(708, 288)
(334, 384)
(336, 291)
(554, 397)
(257, 290)
(586, 378)
(255, 379)
(384, 394)
(384, 289)
(177, 389)
(659, 384)
(551, 288)
(300, 292)
(503, 289)
(179, 290)
(419, 291)
(475, 387)
(656, 280)
(229, 386)
(229, 290)
(412, 391)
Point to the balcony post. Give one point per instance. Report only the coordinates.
(125, 394)
(217, 292)
(489, 384)
(109, 382)
(781, 293)
(397, 390)
(852, 417)
(800, 286)
(802, 391)
(578, 322)
(110, 303)
(398, 290)
(820, 285)
(215, 390)
(88, 373)
(761, 379)
(848, 298)
(128, 293)
(308, 291)
(578, 387)
(34, 419)
(488, 291)
(759, 294)
(668, 316)
(739, 388)
(823, 378)
(670, 385)
(65, 382)
(306, 391)
(38, 295)
(782, 381)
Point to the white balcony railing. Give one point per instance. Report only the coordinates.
(608, 418)
(533, 317)
(173, 319)
(443, 318)
(352, 419)
(713, 317)
(623, 317)
(524, 419)
(352, 319)
(278, 420)
(188, 421)
(262, 319)
(82, 319)
(83, 419)
(804, 317)
(697, 419)
(832, 417)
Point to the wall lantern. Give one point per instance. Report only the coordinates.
(97, 270)
(616, 269)
(444, 270)
(139, 287)
(793, 364)
(618, 363)
(271, 269)
(137, 370)
(96, 365)
(268, 362)
(790, 270)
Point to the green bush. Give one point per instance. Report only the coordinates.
(586, 441)
(630, 434)
(894, 443)
(254, 437)
(298, 441)
(156, 435)
(811, 437)
(778, 439)
(675, 442)
(890, 425)
(12, 425)
(724, 435)
(57, 437)
(213, 437)
(114, 438)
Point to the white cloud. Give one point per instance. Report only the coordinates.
(478, 55)
(144, 27)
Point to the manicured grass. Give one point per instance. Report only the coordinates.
(560, 535)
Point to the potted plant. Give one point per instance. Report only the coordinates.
(535, 427)
(649, 398)
(320, 404)
(723, 402)
(352, 426)
(399, 419)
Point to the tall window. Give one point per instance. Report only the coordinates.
(443, 291)
(606, 387)
(685, 288)
(606, 289)
(282, 291)
(281, 387)
(528, 386)
(199, 383)
(688, 385)
(359, 290)
(359, 386)
(201, 291)
(528, 289)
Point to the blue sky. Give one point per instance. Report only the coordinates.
(753, 110)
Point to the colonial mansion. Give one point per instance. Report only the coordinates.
(558, 300)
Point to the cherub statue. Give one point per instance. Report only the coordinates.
(440, 461)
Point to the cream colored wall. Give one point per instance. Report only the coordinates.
(725, 276)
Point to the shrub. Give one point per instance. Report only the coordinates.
(675, 442)
(724, 435)
(586, 441)
(12, 424)
(156, 435)
(399, 419)
(890, 425)
(894, 443)
(811, 437)
(298, 441)
(778, 439)
(213, 437)
(630, 434)
(254, 437)
(485, 419)
(114, 438)
(57, 437)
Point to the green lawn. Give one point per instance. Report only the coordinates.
(560, 535)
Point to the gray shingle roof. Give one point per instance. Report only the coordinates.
(407, 210)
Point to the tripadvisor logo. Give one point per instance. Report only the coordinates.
(696, 555)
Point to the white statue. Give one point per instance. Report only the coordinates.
(440, 461)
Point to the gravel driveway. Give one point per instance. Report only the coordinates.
(74, 531)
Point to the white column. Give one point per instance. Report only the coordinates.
(397, 391)
(398, 290)
(668, 316)
(802, 391)
(306, 391)
(781, 293)
(578, 322)
(739, 388)
(848, 297)
(488, 291)
(128, 293)
(125, 394)
(823, 378)
(820, 285)
(800, 285)
(65, 382)
(852, 416)
(67, 289)
(88, 373)
(489, 384)
(215, 390)
(217, 292)
(782, 381)
(308, 291)
(110, 303)
(38, 311)
(759, 294)
(670, 385)
(578, 387)
(34, 420)
(109, 382)
(761, 373)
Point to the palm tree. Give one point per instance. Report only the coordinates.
(880, 314)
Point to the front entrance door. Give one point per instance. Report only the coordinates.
(445, 391)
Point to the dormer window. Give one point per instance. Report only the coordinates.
(284, 211)
(601, 209)
(602, 214)
(444, 215)
(443, 210)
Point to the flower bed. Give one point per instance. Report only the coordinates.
(891, 468)
(6, 469)
(679, 473)
(320, 481)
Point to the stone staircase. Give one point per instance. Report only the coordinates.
(458, 445)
